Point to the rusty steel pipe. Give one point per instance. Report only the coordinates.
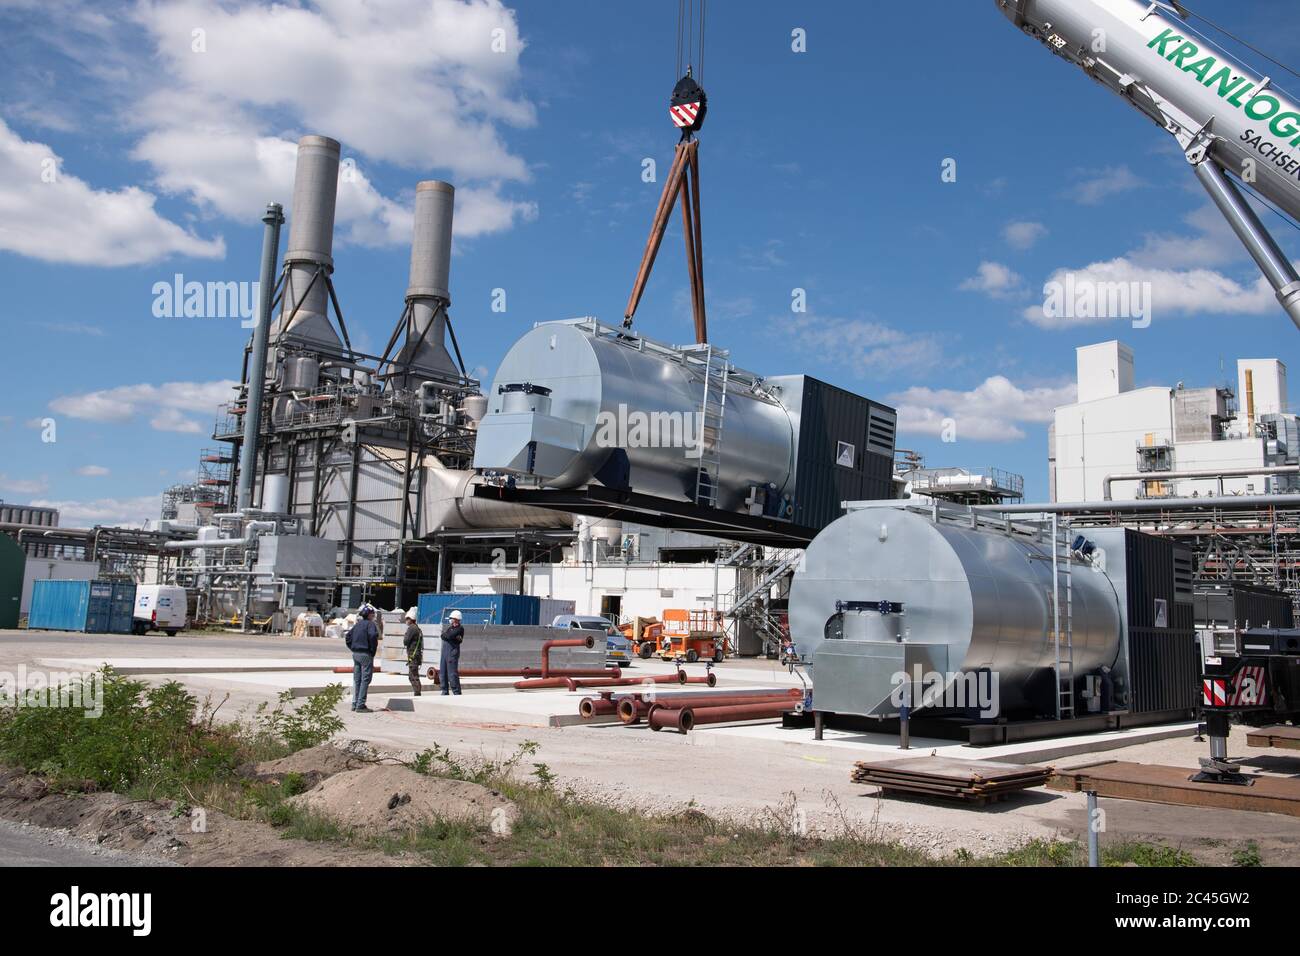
(528, 673)
(633, 708)
(700, 701)
(590, 707)
(587, 642)
(684, 719)
(584, 683)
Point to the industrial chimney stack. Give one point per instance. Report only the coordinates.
(427, 293)
(311, 244)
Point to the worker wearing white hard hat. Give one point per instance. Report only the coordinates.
(449, 661)
(413, 641)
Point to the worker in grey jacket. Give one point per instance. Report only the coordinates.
(363, 642)
(413, 641)
(449, 662)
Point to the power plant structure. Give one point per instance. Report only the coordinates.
(400, 467)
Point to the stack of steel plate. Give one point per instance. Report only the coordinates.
(978, 781)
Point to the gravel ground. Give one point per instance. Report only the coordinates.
(22, 844)
(739, 779)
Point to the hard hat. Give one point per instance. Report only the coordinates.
(455, 615)
(413, 614)
(366, 610)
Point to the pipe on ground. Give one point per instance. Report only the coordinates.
(685, 719)
(634, 707)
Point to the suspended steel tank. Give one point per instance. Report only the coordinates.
(576, 402)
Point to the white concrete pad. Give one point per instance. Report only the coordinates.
(196, 665)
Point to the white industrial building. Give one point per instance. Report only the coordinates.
(621, 571)
(1122, 442)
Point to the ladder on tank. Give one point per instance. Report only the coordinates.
(1063, 618)
(708, 434)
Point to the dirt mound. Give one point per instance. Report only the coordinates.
(313, 765)
(164, 831)
(393, 798)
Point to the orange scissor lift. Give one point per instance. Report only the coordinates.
(693, 635)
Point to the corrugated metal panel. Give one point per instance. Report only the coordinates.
(846, 452)
(59, 605)
(1228, 604)
(481, 608)
(1163, 653)
(122, 611)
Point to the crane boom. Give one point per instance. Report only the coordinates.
(1226, 118)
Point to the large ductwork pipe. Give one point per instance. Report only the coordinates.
(428, 295)
(1219, 473)
(1205, 502)
(309, 259)
(273, 219)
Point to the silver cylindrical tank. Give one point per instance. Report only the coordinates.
(984, 594)
(428, 293)
(474, 407)
(450, 504)
(275, 493)
(301, 373)
(311, 239)
(620, 393)
(431, 241)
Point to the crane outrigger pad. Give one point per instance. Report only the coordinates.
(1154, 783)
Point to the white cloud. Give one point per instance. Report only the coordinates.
(68, 220)
(993, 411)
(411, 82)
(92, 471)
(166, 405)
(1164, 292)
(996, 280)
(860, 344)
(109, 512)
(1096, 185)
(23, 486)
(1023, 235)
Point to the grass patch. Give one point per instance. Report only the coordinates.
(160, 742)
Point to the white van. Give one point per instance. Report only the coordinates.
(159, 607)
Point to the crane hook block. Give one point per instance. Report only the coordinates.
(688, 105)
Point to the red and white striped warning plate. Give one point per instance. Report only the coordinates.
(1249, 690)
(684, 115)
(1214, 693)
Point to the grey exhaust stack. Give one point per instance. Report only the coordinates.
(427, 294)
(274, 219)
(309, 259)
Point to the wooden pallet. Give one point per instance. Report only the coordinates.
(974, 781)
(1153, 783)
(1285, 737)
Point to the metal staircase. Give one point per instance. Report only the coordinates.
(745, 603)
(713, 407)
(1063, 618)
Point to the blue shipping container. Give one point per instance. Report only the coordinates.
(104, 607)
(480, 608)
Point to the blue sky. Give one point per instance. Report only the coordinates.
(821, 171)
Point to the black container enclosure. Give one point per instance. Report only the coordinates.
(1163, 654)
(1231, 604)
(845, 449)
